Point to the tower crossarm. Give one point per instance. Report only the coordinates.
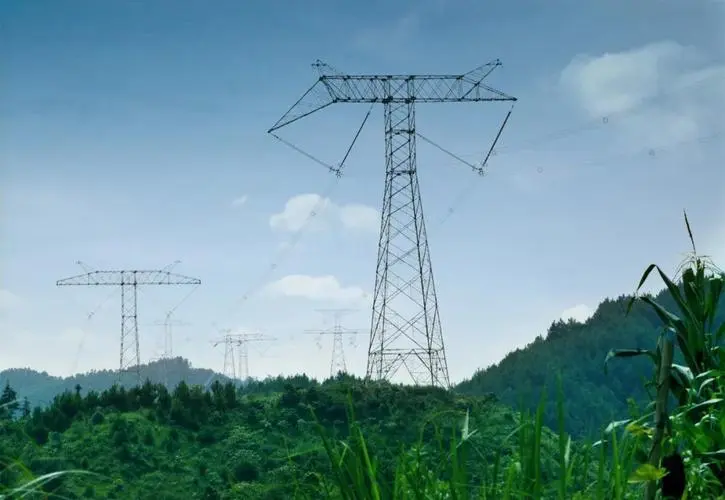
(332, 87)
(336, 331)
(133, 277)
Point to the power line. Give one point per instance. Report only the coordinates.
(593, 162)
(285, 251)
(532, 142)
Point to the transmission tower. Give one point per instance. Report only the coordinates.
(405, 327)
(240, 343)
(129, 281)
(168, 325)
(337, 363)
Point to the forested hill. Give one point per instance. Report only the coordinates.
(40, 388)
(577, 351)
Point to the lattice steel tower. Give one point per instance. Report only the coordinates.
(129, 281)
(240, 341)
(337, 360)
(405, 327)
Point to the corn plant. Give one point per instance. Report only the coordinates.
(695, 430)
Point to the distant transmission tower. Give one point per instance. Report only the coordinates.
(405, 326)
(129, 281)
(337, 363)
(168, 324)
(238, 343)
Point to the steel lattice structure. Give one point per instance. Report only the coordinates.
(129, 281)
(405, 326)
(240, 341)
(168, 324)
(337, 362)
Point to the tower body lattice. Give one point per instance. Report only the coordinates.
(405, 330)
(337, 361)
(129, 281)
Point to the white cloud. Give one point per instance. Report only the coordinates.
(580, 313)
(318, 212)
(362, 217)
(297, 211)
(238, 202)
(323, 288)
(9, 300)
(667, 91)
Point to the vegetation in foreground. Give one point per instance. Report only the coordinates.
(347, 440)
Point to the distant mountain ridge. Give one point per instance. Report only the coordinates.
(40, 387)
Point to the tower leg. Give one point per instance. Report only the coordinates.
(229, 368)
(405, 327)
(130, 350)
(243, 360)
(337, 363)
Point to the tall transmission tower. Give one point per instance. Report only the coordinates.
(405, 327)
(129, 281)
(337, 363)
(238, 343)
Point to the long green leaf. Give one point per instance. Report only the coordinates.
(627, 353)
(677, 295)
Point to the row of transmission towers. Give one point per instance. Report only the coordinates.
(405, 328)
(236, 345)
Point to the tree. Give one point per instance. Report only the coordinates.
(26, 408)
(8, 402)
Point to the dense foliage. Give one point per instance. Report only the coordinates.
(148, 442)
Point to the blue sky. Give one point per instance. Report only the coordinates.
(134, 136)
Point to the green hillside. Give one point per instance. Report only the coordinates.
(577, 351)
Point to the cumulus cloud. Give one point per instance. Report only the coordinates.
(322, 288)
(9, 300)
(318, 212)
(580, 313)
(666, 89)
(238, 202)
(362, 217)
